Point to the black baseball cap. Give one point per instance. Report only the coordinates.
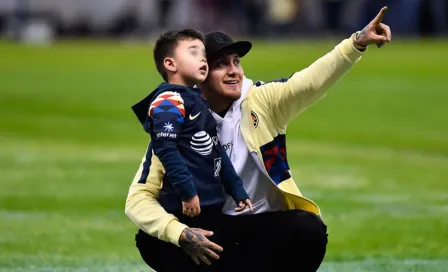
(216, 42)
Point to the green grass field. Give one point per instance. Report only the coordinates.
(373, 154)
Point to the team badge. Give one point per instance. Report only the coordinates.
(254, 118)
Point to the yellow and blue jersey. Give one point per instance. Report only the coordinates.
(184, 138)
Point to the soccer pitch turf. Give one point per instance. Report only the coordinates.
(373, 154)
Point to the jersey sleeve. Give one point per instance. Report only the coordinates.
(142, 206)
(286, 98)
(166, 119)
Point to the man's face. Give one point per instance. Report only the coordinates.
(191, 61)
(225, 77)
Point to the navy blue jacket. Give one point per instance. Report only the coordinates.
(184, 138)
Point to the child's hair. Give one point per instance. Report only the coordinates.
(167, 43)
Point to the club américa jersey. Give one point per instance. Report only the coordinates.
(184, 138)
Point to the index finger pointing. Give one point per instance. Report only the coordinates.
(379, 18)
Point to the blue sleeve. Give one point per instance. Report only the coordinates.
(231, 181)
(166, 118)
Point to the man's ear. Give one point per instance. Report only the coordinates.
(170, 64)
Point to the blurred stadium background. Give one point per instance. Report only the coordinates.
(373, 153)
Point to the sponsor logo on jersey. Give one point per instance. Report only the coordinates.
(192, 117)
(166, 135)
(202, 143)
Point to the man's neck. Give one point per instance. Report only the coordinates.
(219, 105)
(223, 113)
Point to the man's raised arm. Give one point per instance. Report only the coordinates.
(286, 98)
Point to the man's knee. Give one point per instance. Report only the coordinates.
(307, 243)
(308, 226)
(307, 234)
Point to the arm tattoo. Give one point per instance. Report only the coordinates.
(194, 243)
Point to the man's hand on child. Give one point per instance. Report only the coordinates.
(243, 204)
(191, 207)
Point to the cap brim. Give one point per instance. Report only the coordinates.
(241, 48)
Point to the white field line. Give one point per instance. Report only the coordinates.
(340, 150)
(94, 268)
(387, 265)
(370, 265)
(28, 151)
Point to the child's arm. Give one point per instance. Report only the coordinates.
(165, 125)
(232, 182)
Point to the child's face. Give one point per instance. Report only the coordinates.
(191, 61)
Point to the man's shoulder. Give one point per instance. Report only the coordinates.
(279, 80)
(259, 88)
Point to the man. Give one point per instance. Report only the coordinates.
(286, 229)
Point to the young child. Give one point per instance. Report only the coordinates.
(183, 132)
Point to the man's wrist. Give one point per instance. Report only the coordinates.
(174, 231)
(357, 45)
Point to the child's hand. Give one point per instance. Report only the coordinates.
(242, 205)
(191, 207)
